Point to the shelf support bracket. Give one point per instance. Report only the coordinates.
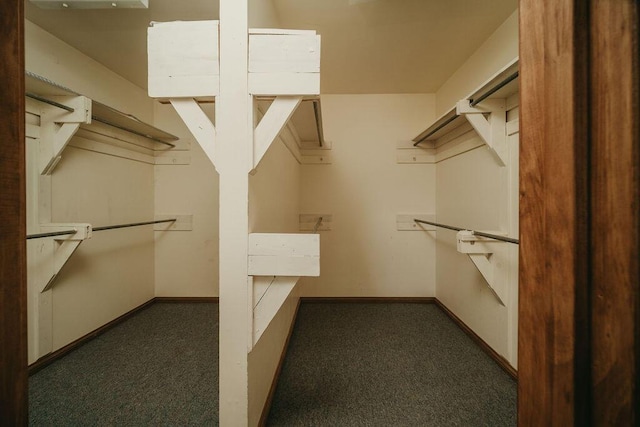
(64, 247)
(490, 122)
(46, 258)
(489, 257)
(199, 125)
(277, 261)
(62, 126)
(274, 120)
(269, 293)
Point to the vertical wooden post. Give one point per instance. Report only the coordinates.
(13, 291)
(615, 211)
(553, 318)
(234, 161)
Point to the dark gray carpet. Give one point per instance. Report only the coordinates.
(158, 368)
(347, 365)
(388, 365)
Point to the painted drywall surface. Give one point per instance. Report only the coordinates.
(50, 57)
(186, 261)
(112, 272)
(474, 192)
(262, 14)
(497, 51)
(468, 198)
(364, 189)
(274, 194)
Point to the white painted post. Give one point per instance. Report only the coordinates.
(234, 161)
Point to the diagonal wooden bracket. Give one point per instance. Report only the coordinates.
(272, 123)
(488, 255)
(489, 119)
(277, 261)
(66, 124)
(46, 258)
(198, 124)
(269, 293)
(64, 247)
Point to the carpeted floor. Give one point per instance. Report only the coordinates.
(347, 365)
(159, 368)
(388, 365)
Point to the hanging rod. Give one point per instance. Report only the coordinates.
(476, 233)
(135, 132)
(472, 102)
(315, 228)
(48, 101)
(449, 120)
(52, 234)
(103, 228)
(318, 115)
(503, 83)
(133, 224)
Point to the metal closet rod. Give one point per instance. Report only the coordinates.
(476, 233)
(103, 228)
(315, 228)
(503, 83)
(473, 103)
(318, 116)
(48, 101)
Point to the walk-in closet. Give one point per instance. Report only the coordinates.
(304, 212)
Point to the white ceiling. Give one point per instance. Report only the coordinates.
(368, 46)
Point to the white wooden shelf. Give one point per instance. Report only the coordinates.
(44, 88)
(500, 86)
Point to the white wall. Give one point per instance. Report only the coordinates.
(186, 261)
(364, 189)
(111, 273)
(262, 14)
(50, 57)
(498, 50)
(475, 192)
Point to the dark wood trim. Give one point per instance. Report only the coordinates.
(276, 375)
(500, 361)
(13, 288)
(615, 212)
(553, 280)
(47, 360)
(372, 300)
(215, 300)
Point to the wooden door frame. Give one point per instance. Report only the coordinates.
(579, 221)
(13, 288)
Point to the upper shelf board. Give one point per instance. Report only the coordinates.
(451, 120)
(43, 87)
